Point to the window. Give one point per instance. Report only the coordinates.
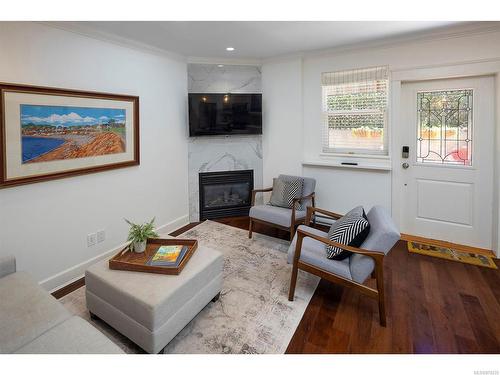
(444, 129)
(355, 111)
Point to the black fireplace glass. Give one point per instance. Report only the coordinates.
(225, 194)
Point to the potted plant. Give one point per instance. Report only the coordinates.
(139, 233)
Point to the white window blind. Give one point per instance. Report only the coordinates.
(355, 111)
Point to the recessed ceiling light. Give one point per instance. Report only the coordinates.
(220, 66)
(229, 48)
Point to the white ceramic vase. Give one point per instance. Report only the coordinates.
(140, 247)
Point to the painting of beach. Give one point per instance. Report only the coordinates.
(63, 132)
(48, 133)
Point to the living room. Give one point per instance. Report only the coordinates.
(316, 187)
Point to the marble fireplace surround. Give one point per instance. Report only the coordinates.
(219, 154)
(222, 153)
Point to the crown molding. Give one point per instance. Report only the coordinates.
(80, 29)
(450, 32)
(225, 61)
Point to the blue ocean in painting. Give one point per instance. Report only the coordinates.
(33, 147)
(46, 127)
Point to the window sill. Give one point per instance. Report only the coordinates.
(361, 156)
(337, 164)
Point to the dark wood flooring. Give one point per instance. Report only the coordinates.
(433, 306)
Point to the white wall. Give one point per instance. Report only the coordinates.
(45, 224)
(340, 189)
(282, 116)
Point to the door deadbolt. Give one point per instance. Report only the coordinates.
(405, 165)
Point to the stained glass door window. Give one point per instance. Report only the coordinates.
(444, 127)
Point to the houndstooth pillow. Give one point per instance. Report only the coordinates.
(351, 229)
(285, 191)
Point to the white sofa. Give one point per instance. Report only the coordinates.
(32, 321)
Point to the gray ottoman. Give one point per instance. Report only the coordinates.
(151, 309)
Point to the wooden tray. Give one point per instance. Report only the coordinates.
(128, 260)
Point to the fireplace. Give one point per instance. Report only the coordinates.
(225, 194)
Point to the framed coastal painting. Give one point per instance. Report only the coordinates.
(48, 133)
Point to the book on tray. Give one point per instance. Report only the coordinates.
(168, 256)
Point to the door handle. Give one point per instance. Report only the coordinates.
(405, 165)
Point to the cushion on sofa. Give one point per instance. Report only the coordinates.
(7, 265)
(73, 336)
(277, 215)
(26, 310)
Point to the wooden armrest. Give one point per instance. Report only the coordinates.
(262, 190)
(312, 210)
(254, 191)
(376, 255)
(298, 200)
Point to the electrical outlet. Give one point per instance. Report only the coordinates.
(101, 236)
(91, 239)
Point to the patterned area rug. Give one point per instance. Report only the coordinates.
(451, 254)
(253, 314)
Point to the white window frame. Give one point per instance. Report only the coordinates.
(349, 77)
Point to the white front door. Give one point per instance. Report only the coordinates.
(447, 180)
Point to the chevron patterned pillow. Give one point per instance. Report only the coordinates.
(293, 189)
(285, 191)
(351, 229)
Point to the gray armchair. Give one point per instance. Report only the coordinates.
(307, 252)
(283, 218)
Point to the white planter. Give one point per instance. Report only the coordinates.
(139, 247)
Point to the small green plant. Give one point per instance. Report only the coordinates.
(141, 232)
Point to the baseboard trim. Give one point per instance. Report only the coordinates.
(173, 225)
(71, 287)
(72, 275)
(441, 243)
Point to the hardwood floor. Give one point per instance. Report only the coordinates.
(433, 306)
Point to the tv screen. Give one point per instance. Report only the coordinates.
(219, 114)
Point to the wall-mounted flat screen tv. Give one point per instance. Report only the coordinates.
(223, 114)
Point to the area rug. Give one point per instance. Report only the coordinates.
(451, 254)
(253, 314)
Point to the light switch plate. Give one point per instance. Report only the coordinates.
(101, 236)
(91, 239)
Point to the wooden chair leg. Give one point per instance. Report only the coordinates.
(295, 267)
(292, 232)
(250, 228)
(314, 215)
(381, 310)
(293, 282)
(381, 294)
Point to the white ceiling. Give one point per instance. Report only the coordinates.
(252, 39)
